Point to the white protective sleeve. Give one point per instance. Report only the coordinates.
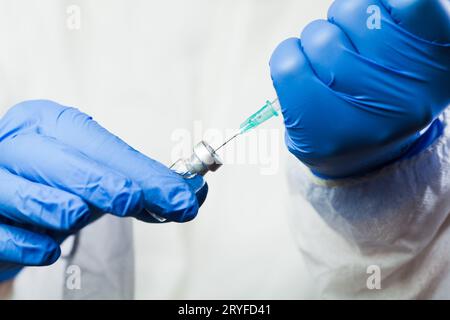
(394, 221)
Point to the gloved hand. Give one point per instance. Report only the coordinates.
(356, 97)
(60, 170)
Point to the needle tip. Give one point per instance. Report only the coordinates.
(226, 142)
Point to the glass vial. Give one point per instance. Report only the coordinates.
(202, 160)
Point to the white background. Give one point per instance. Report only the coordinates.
(145, 69)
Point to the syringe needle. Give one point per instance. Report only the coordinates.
(269, 110)
(226, 142)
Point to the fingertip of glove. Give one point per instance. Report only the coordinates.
(289, 63)
(200, 189)
(282, 58)
(170, 196)
(53, 255)
(35, 106)
(341, 8)
(185, 204)
(48, 254)
(201, 194)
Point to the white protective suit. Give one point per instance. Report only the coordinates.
(396, 220)
(148, 69)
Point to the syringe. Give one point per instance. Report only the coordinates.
(269, 110)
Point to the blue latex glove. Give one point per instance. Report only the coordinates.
(60, 170)
(355, 98)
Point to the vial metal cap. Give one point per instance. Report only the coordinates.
(204, 159)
